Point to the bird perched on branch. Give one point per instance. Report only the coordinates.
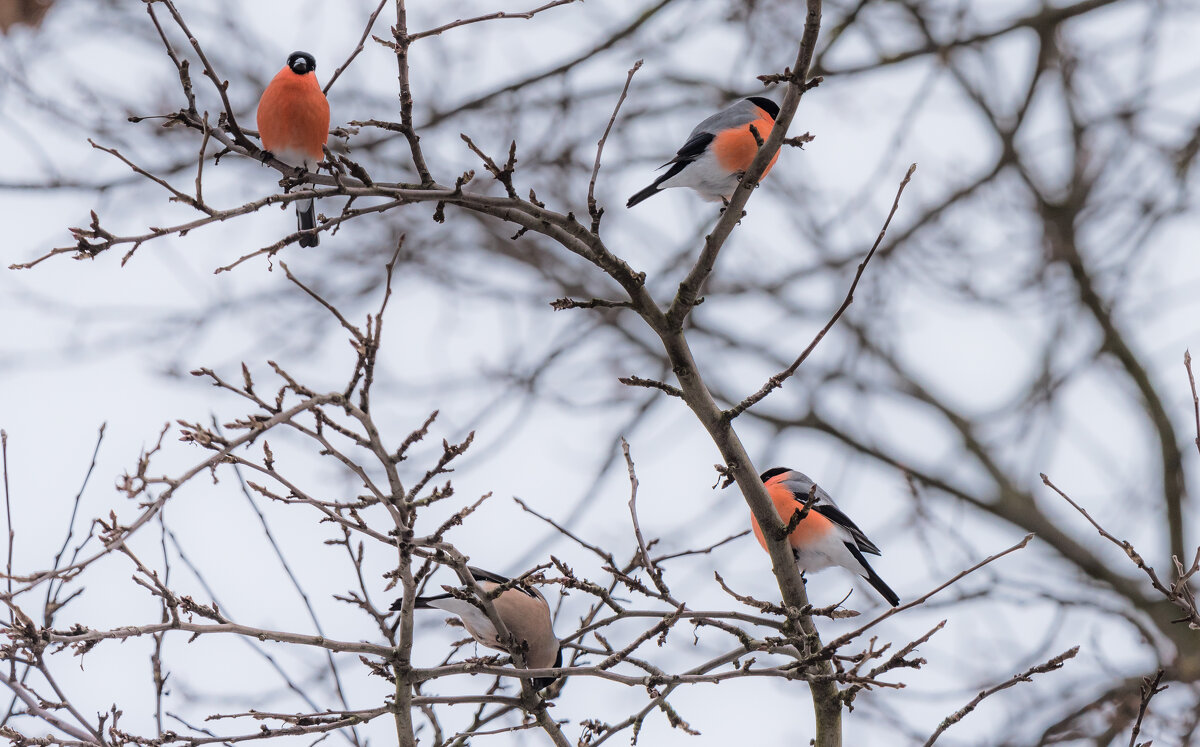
(825, 537)
(293, 121)
(718, 152)
(522, 609)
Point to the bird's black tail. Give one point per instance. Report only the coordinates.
(306, 220)
(677, 164)
(644, 194)
(873, 578)
(420, 603)
(884, 590)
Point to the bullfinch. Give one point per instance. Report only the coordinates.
(293, 121)
(523, 610)
(717, 152)
(825, 537)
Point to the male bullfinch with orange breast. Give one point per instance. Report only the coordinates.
(522, 609)
(825, 537)
(293, 122)
(718, 152)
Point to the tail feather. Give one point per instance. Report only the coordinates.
(677, 164)
(644, 194)
(873, 578)
(420, 603)
(884, 590)
(306, 220)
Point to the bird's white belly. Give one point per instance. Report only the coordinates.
(813, 560)
(828, 552)
(476, 623)
(295, 157)
(706, 176)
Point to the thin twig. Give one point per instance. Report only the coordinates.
(842, 640)
(651, 384)
(1179, 594)
(200, 161)
(566, 532)
(124, 531)
(1049, 666)
(639, 17)
(33, 705)
(526, 14)
(777, 380)
(402, 41)
(562, 304)
(1150, 688)
(353, 330)
(8, 574)
(655, 574)
(1187, 362)
(287, 569)
(595, 211)
(358, 49)
(221, 86)
(52, 603)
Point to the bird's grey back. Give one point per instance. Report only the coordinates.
(740, 113)
(799, 483)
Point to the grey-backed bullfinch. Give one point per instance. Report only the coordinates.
(825, 537)
(522, 609)
(293, 122)
(717, 152)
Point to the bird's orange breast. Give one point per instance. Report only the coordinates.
(735, 148)
(811, 528)
(293, 114)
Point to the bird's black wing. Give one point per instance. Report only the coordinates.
(691, 150)
(482, 575)
(834, 514)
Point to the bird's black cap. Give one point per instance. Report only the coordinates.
(772, 473)
(767, 105)
(302, 62)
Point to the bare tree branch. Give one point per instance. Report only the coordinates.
(1049, 666)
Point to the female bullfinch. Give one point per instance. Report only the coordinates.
(524, 612)
(717, 152)
(293, 121)
(825, 537)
